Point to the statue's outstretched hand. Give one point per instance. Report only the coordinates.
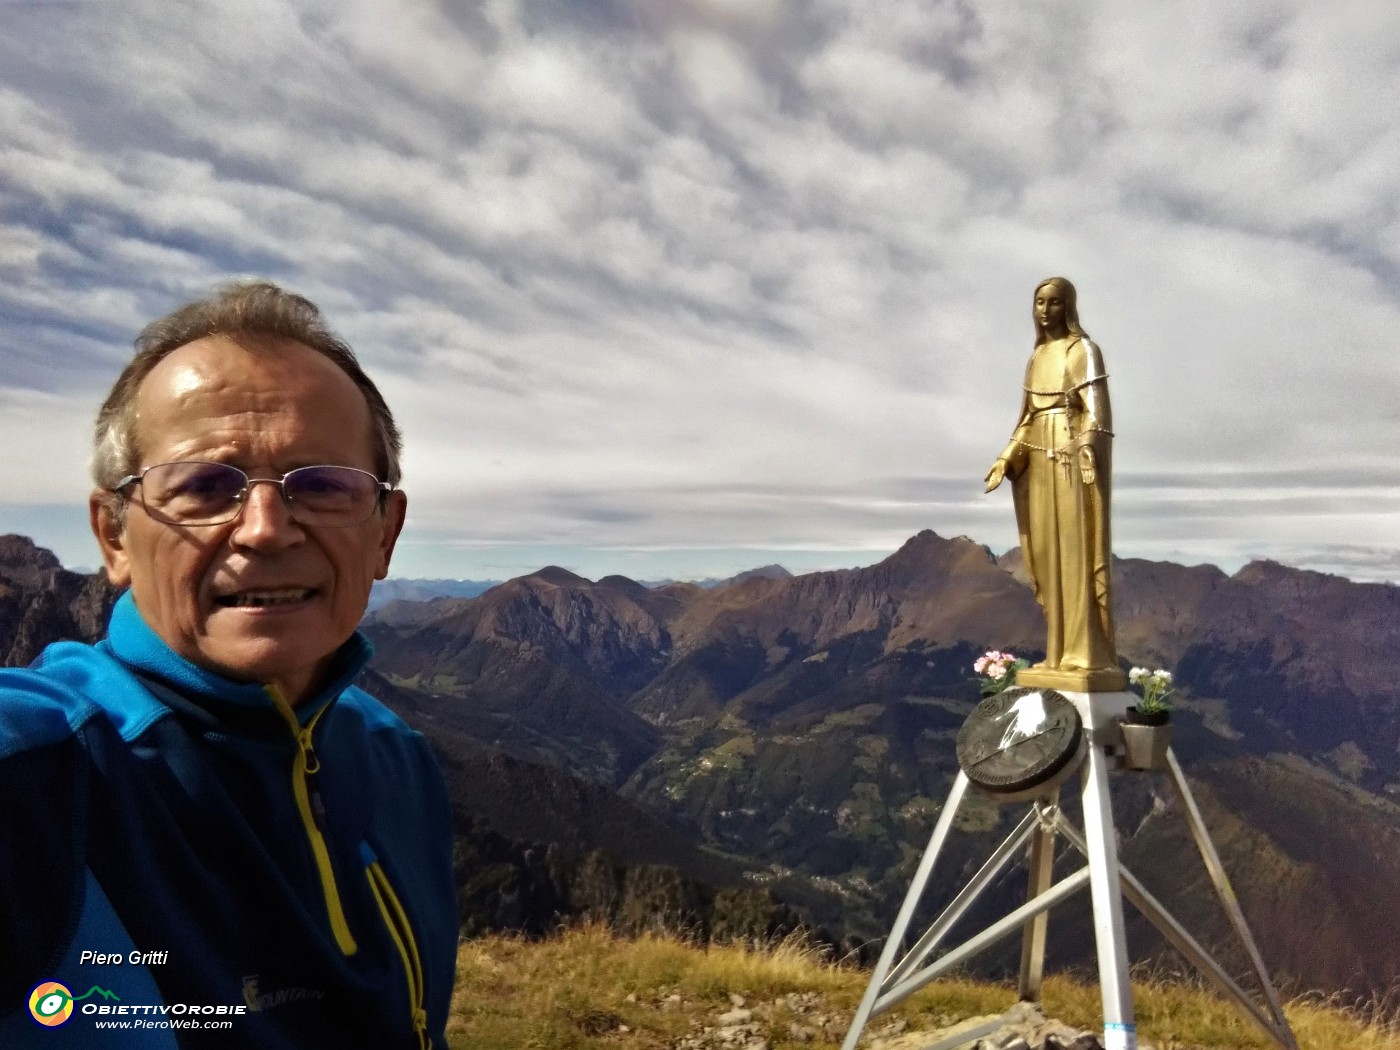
(994, 476)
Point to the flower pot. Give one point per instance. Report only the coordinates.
(1145, 746)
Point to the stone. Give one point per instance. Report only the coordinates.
(1082, 1041)
(1022, 1027)
(1023, 1013)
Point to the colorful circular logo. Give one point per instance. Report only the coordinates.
(50, 1004)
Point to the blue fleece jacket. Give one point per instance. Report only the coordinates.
(181, 845)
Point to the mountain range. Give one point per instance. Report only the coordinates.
(792, 736)
(805, 725)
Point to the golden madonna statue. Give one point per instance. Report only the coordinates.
(1059, 461)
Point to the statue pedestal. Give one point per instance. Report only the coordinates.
(896, 978)
(1100, 680)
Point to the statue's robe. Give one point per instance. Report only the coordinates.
(1064, 521)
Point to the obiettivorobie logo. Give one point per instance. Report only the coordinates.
(51, 1003)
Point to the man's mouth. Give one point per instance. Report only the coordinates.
(264, 599)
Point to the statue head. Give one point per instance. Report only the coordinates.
(1070, 299)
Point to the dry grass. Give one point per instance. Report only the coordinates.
(1181, 1013)
(587, 988)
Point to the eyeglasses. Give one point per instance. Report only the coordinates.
(199, 493)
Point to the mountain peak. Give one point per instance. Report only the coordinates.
(624, 585)
(927, 548)
(559, 577)
(921, 541)
(23, 554)
(763, 572)
(1266, 571)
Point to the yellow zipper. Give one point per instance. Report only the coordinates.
(306, 766)
(396, 919)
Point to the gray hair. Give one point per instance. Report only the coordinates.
(250, 308)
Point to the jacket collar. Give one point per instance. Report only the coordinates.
(132, 641)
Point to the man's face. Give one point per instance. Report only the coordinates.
(266, 411)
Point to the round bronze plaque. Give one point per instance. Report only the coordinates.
(1018, 740)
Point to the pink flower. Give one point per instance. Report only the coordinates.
(994, 664)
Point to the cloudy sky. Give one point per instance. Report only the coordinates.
(680, 287)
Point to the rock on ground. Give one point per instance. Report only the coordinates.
(750, 1026)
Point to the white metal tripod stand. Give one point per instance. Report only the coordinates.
(1108, 882)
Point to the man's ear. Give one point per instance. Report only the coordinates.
(109, 527)
(395, 510)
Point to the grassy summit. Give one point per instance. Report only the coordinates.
(587, 988)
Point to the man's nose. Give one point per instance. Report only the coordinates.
(265, 519)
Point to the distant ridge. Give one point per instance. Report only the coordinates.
(763, 572)
(422, 590)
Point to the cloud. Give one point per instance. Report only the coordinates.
(710, 275)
